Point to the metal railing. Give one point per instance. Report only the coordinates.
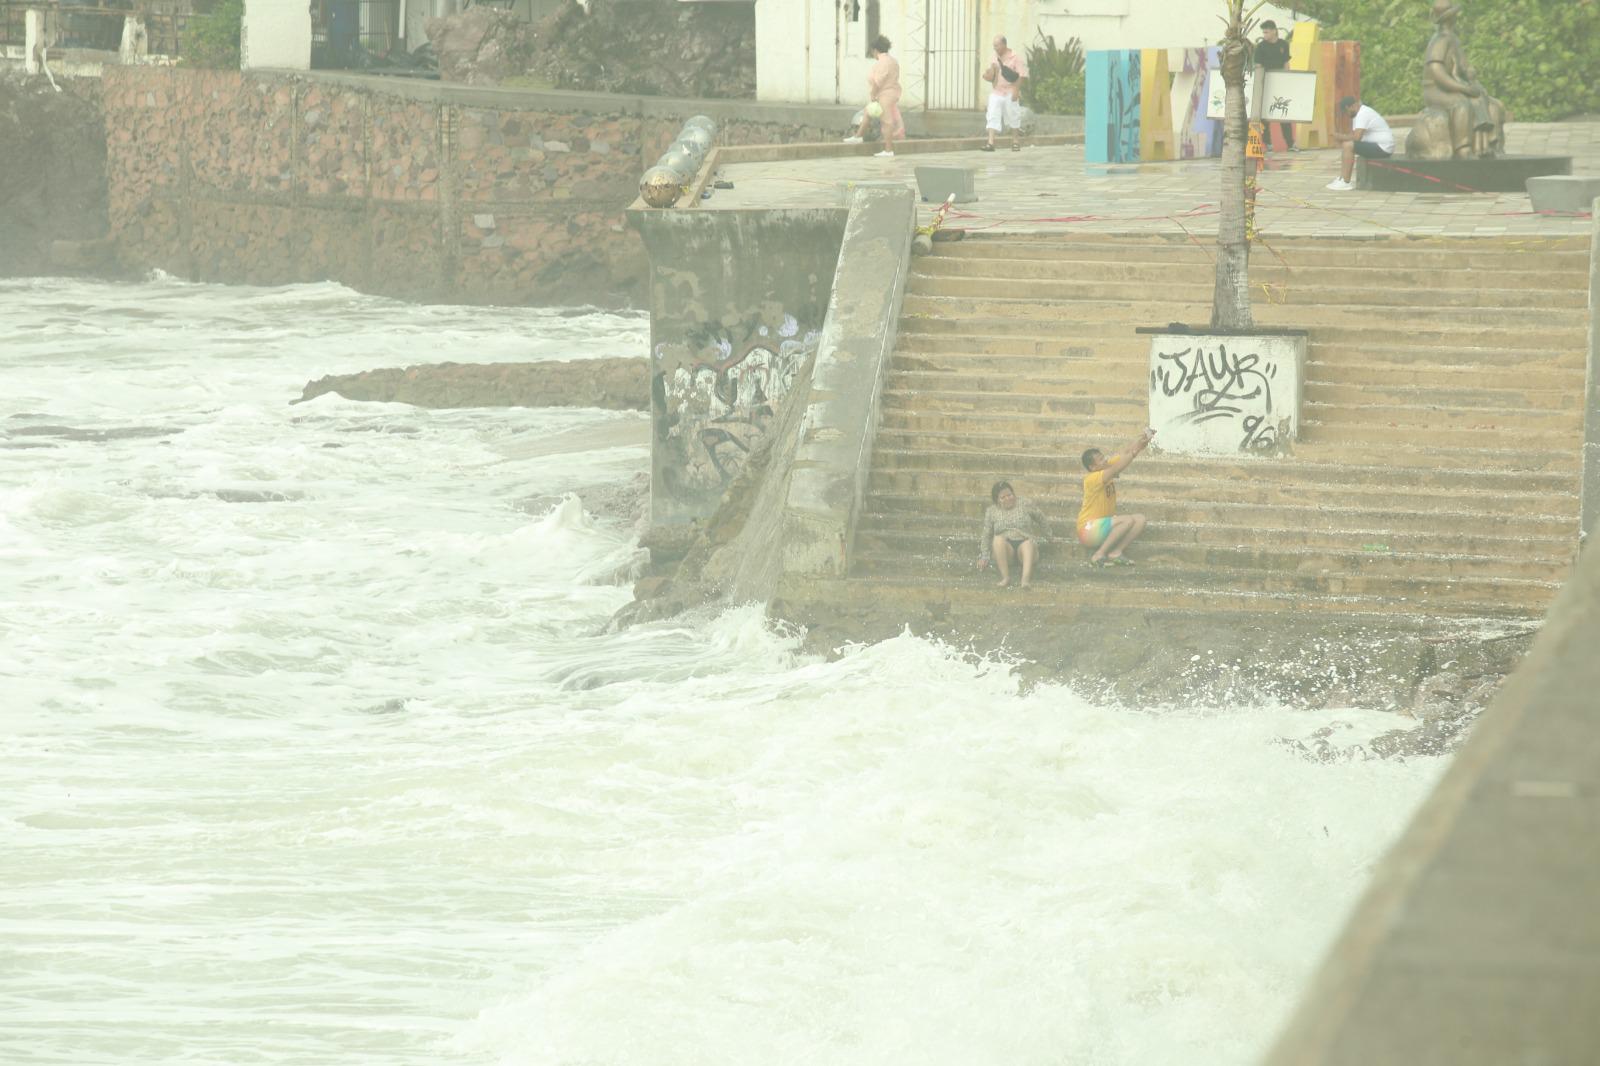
(98, 25)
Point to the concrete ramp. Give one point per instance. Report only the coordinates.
(1479, 939)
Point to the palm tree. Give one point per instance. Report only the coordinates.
(1230, 299)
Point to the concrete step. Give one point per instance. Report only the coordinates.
(1374, 512)
(1429, 453)
(1157, 270)
(1128, 381)
(1318, 423)
(995, 334)
(1065, 591)
(1345, 431)
(1565, 255)
(1563, 379)
(924, 401)
(1193, 290)
(1486, 367)
(1123, 381)
(926, 556)
(1066, 596)
(934, 534)
(1447, 393)
(1155, 464)
(1431, 416)
(964, 492)
(1043, 430)
(1154, 310)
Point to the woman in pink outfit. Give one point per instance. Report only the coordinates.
(883, 86)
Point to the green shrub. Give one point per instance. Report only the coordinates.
(211, 38)
(1541, 58)
(1055, 77)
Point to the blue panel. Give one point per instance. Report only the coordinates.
(1096, 107)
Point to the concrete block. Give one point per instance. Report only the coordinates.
(936, 184)
(1563, 192)
(847, 189)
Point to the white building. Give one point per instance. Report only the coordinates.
(815, 51)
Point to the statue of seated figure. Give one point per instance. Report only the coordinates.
(1460, 120)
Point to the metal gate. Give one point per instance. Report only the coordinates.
(950, 54)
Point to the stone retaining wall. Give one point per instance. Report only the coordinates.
(417, 191)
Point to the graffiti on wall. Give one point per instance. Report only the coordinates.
(1221, 395)
(719, 389)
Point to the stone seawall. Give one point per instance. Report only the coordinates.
(418, 191)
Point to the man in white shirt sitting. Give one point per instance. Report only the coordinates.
(1369, 137)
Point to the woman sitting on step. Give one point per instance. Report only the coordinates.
(1012, 529)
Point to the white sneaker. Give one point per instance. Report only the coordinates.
(852, 140)
(1339, 185)
(885, 155)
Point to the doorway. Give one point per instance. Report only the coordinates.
(950, 54)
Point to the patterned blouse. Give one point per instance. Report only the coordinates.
(1023, 521)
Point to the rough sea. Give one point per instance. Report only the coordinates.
(316, 751)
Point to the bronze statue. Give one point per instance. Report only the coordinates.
(1460, 120)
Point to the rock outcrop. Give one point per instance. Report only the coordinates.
(52, 176)
(480, 46)
(615, 384)
(650, 47)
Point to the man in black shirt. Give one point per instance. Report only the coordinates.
(1272, 53)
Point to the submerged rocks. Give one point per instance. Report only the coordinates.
(614, 384)
(626, 503)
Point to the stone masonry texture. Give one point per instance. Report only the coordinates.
(249, 178)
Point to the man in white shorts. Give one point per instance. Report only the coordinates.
(1006, 74)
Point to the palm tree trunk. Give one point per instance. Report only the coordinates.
(1230, 300)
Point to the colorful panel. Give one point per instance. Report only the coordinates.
(1302, 43)
(1156, 140)
(1111, 106)
(1199, 136)
(1319, 133)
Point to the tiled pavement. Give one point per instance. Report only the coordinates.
(1051, 189)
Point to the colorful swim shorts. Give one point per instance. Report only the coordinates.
(1093, 533)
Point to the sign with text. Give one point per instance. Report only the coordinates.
(1287, 96)
(1221, 395)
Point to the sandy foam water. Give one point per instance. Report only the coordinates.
(899, 858)
(318, 751)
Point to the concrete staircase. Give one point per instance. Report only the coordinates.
(1437, 471)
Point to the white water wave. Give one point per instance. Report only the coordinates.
(318, 751)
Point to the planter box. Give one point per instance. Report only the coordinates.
(1226, 393)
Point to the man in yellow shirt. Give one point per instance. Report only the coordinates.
(1100, 528)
